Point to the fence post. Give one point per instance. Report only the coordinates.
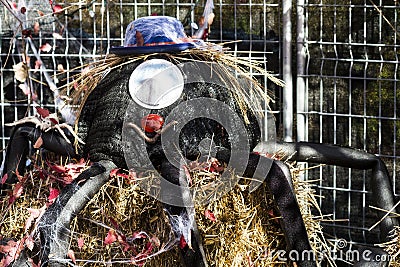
(287, 71)
(301, 96)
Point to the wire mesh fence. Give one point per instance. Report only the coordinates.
(350, 72)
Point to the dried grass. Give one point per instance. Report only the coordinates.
(393, 247)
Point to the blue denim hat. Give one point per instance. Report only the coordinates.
(155, 30)
(154, 34)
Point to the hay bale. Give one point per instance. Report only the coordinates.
(123, 225)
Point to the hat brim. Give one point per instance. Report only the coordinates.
(166, 48)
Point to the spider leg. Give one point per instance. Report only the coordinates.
(191, 257)
(54, 225)
(18, 148)
(351, 158)
(381, 187)
(279, 183)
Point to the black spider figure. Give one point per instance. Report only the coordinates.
(101, 126)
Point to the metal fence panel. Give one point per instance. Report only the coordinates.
(351, 73)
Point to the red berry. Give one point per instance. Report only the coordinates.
(152, 123)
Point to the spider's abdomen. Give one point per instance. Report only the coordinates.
(101, 119)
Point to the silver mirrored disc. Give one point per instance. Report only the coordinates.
(156, 84)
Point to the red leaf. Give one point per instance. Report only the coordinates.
(74, 169)
(16, 193)
(58, 168)
(71, 255)
(54, 192)
(60, 68)
(20, 177)
(33, 263)
(81, 242)
(29, 242)
(26, 32)
(118, 173)
(209, 215)
(45, 48)
(14, 5)
(156, 241)
(110, 238)
(40, 13)
(54, 121)
(44, 113)
(38, 143)
(122, 240)
(23, 10)
(57, 9)
(182, 242)
(113, 222)
(9, 247)
(57, 36)
(113, 173)
(4, 179)
(18, 190)
(11, 200)
(36, 27)
(51, 2)
(10, 251)
(35, 213)
(38, 63)
(148, 248)
(139, 235)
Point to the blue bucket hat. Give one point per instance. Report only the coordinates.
(154, 34)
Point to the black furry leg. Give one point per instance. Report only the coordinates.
(18, 148)
(279, 183)
(381, 187)
(54, 225)
(351, 158)
(191, 257)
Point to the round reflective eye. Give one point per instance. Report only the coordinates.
(156, 84)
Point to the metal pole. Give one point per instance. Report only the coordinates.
(287, 71)
(301, 96)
